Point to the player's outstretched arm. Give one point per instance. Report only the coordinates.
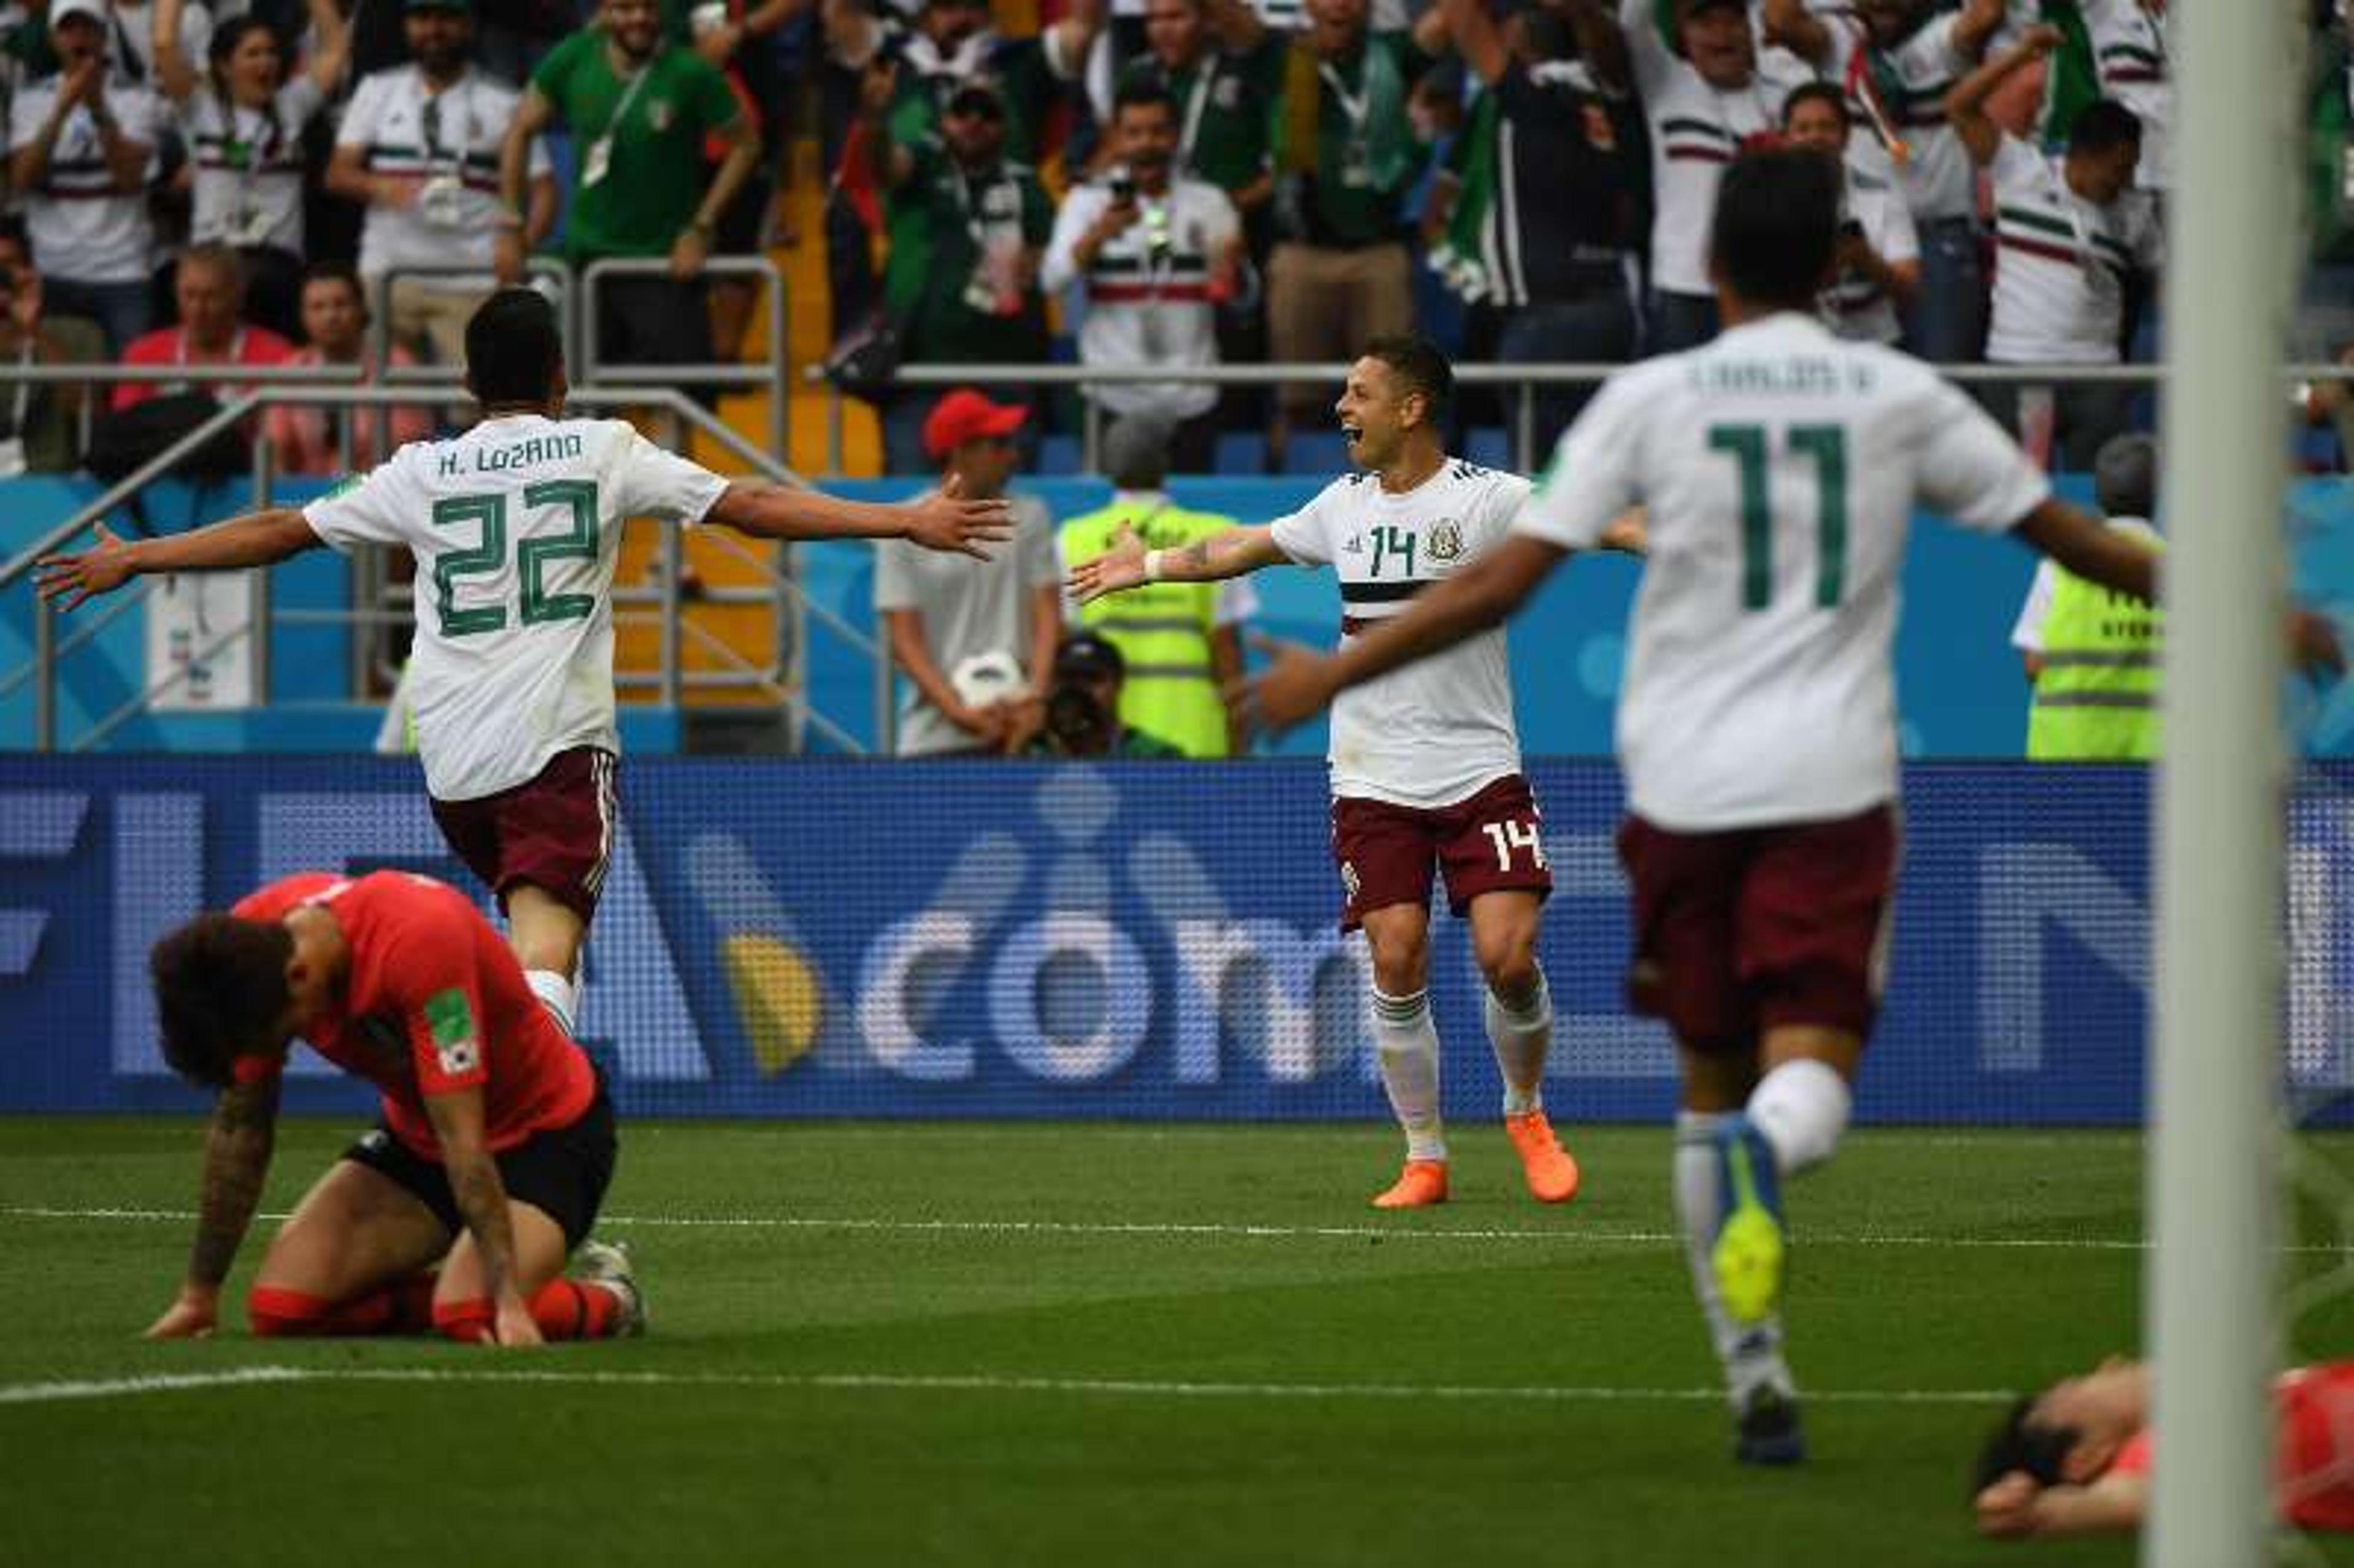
(236, 1158)
(2015, 1506)
(1485, 594)
(946, 520)
(1228, 553)
(2114, 559)
(2090, 548)
(457, 1119)
(254, 539)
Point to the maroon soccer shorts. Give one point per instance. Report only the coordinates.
(555, 832)
(1488, 844)
(1741, 931)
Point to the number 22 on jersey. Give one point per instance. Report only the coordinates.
(1825, 446)
(487, 555)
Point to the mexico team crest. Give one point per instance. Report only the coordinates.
(1446, 542)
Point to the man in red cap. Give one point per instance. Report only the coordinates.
(975, 639)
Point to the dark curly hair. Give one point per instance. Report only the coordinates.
(220, 990)
(2019, 1442)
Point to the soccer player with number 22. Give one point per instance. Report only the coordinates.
(516, 527)
(1426, 763)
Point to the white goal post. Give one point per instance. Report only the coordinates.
(2213, 1184)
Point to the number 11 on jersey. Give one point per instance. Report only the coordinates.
(1826, 445)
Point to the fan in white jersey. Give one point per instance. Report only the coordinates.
(1779, 468)
(1426, 764)
(516, 527)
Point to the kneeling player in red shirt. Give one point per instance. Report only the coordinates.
(495, 1146)
(2077, 1458)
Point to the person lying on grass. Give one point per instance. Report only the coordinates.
(2077, 1458)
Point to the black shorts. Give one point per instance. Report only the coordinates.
(562, 1173)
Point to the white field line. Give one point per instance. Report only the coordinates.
(1568, 1235)
(1115, 1388)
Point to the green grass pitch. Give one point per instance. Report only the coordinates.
(958, 1343)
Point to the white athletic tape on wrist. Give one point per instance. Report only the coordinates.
(1152, 559)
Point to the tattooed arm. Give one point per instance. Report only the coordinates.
(236, 1158)
(1229, 554)
(457, 1119)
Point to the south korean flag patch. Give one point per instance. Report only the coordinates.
(457, 1043)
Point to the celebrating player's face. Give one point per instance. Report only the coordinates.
(1372, 412)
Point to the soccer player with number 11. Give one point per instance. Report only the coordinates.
(1779, 468)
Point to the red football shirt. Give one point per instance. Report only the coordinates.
(170, 345)
(434, 1001)
(2313, 1472)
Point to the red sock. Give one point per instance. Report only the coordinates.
(576, 1309)
(404, 1307)
(469, 1321)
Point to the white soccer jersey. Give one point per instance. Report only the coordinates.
(1854, 306)
(517, 525)
(1696, 131)
(246, 166)
(83, 229)
(1149, 301)
(1780, 467)
(2060, 263)
(1908, 85)
(450, 141)
(2129, 53)
(1440, 730)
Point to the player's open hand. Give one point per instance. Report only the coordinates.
(2007, 1505)
(85, 574)
(1119, 567)
(1296, 686)
(949, 521)
(188, 1318)
(514, 1327)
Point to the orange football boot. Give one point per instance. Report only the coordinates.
(1420, 1184)
(1551, 1174)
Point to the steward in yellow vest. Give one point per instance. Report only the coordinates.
(1182, 643)
(2096, 685)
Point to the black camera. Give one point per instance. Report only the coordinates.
(1123, 189)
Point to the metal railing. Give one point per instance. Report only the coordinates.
(541, 270)
(1526, 381)
(769, 375)
(780, 589)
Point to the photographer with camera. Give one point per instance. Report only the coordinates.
(1878, 252)
(1083, 705)
(1158, 254)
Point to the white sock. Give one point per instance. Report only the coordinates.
(555, 993)
(1750, 1353)
(1407, 1044)
(1801, 1106)
(1521, 1038)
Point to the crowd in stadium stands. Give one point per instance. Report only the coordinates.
(1136, 184)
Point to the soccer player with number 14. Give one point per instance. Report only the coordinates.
(1778, 468)
(1425, 765)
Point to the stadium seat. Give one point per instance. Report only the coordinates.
(1490, 446)
(1060, 455)
(1315, 451)
(1240, 452)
